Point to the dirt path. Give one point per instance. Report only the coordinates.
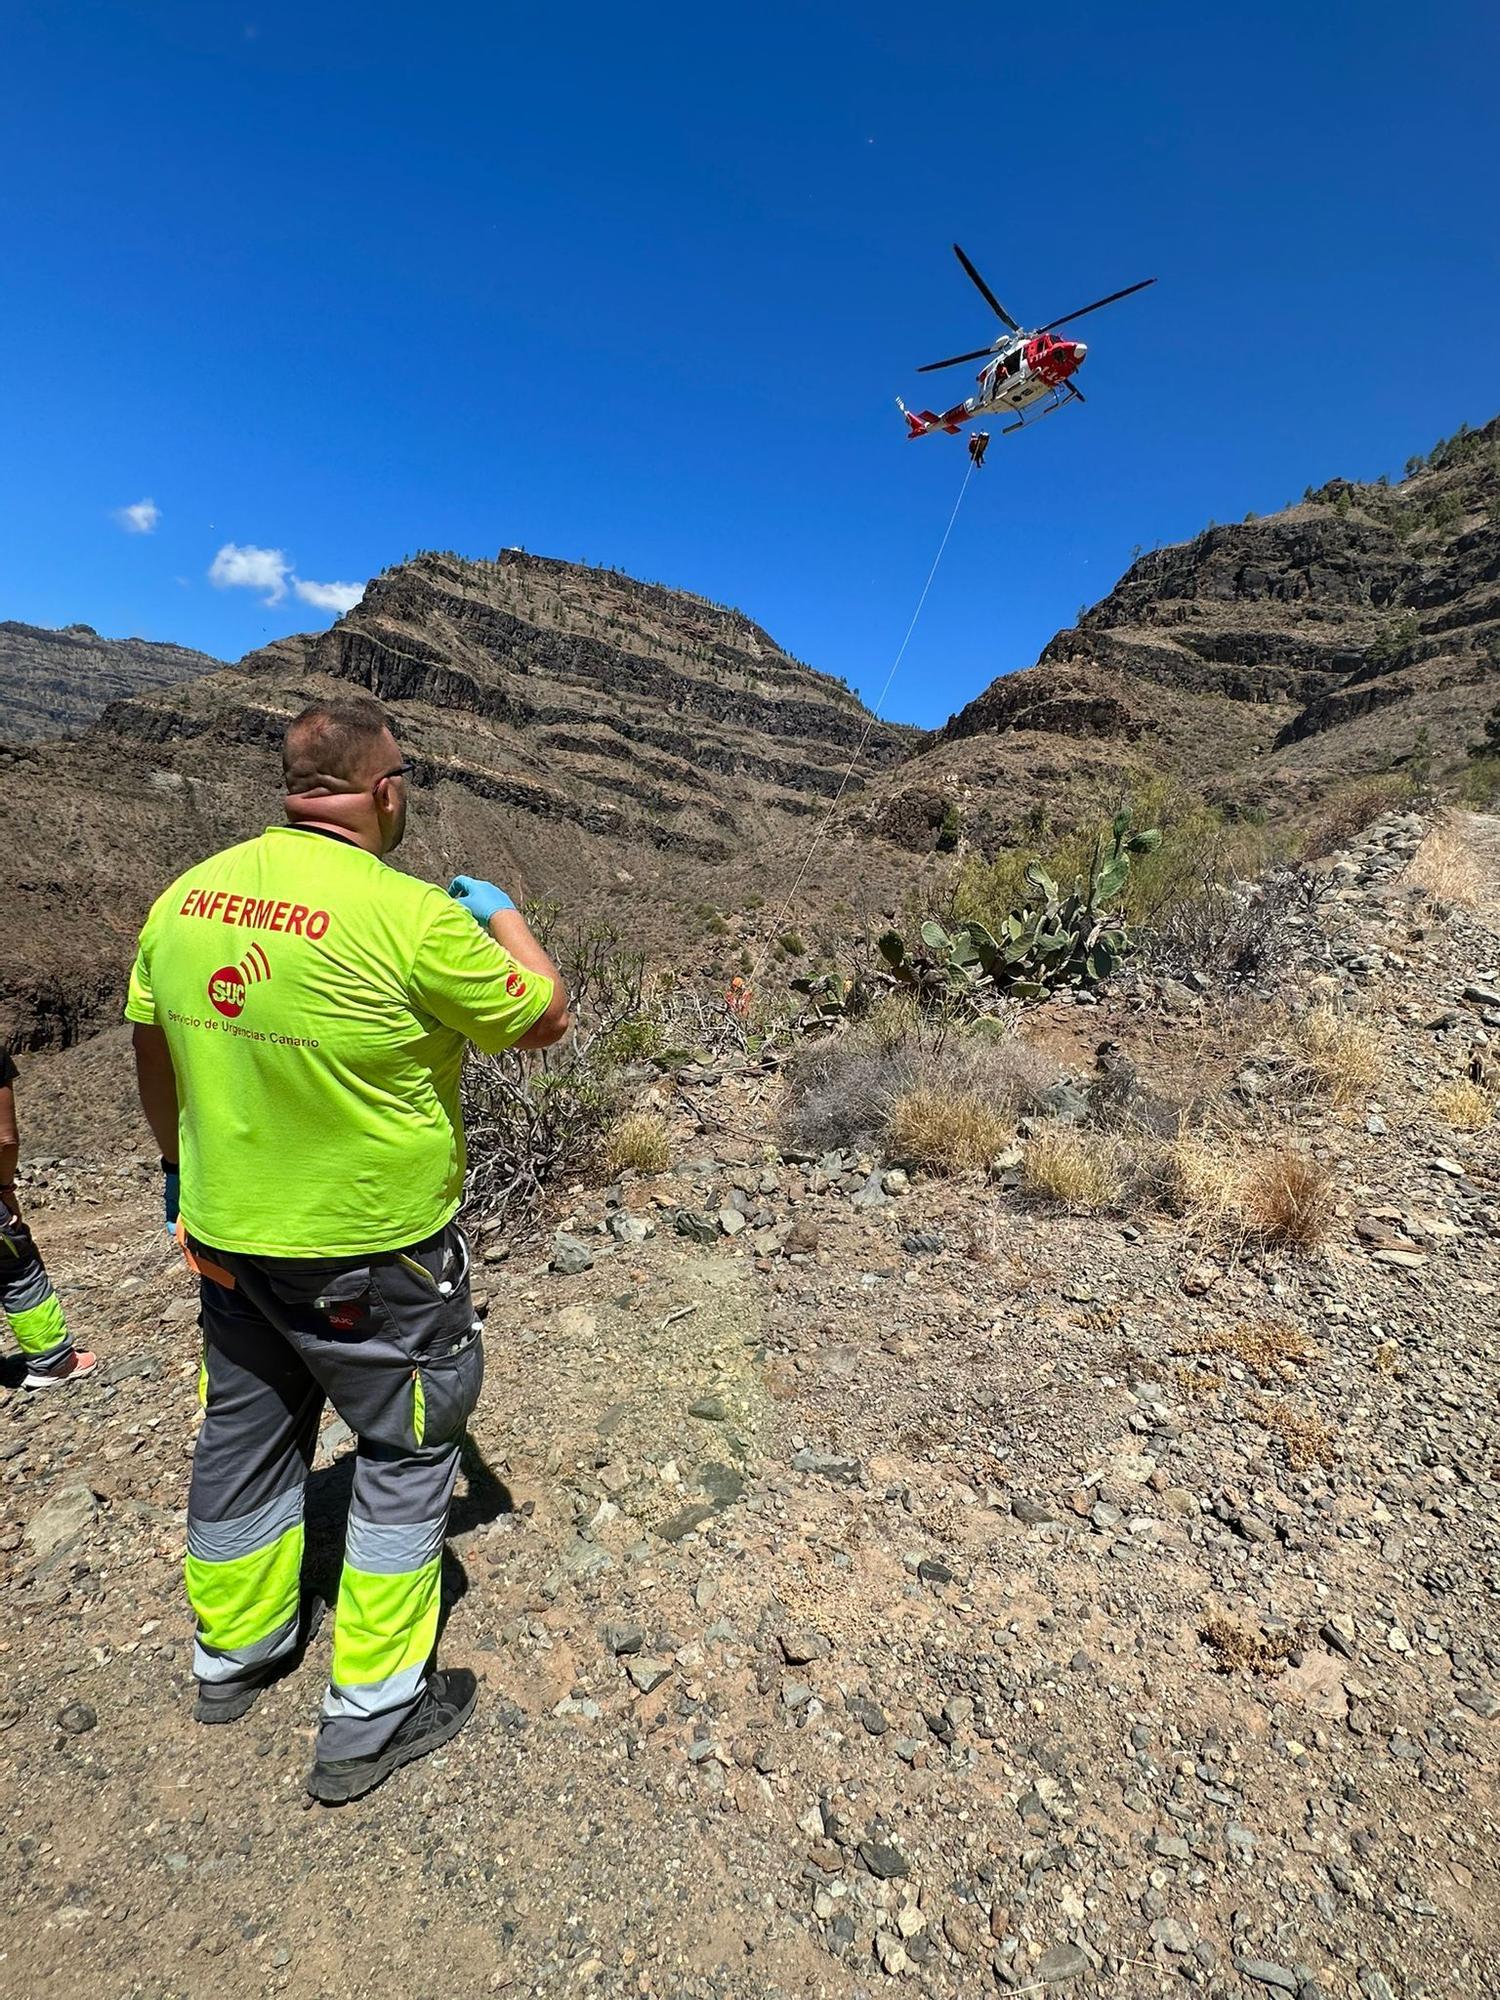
(951, 1595)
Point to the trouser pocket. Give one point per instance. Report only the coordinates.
(391, 1338)
(444, 1391)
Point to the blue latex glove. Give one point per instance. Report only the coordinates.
(480, 899)
(171, 1188)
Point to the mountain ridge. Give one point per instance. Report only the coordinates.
(648, 758)
(58, 680)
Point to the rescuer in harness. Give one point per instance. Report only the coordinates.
(301, 1015)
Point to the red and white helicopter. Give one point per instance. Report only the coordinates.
(1021, 370)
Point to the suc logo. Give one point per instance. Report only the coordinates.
(227, 986)
(226, 991)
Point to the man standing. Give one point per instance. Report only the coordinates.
(301, 1015)
(26, 1295)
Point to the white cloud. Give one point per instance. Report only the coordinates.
(140, 518)
(242, 566)
(329, 596)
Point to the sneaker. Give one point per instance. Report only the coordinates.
(72, 1368)
(446, 1705)
(227, 1701)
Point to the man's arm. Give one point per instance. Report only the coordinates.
(156, 1081)
(10, 1151)
(512, 933)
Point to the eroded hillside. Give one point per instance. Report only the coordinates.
(1267, 660)
(628, 749)
(58, 682)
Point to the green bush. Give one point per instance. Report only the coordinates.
(1479, 786)
(1395, 638)
(1198, 842)
(1489, 744)
(1052, 937)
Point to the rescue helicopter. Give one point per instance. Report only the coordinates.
(1022, 369)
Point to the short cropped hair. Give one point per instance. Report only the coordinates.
(334, 745)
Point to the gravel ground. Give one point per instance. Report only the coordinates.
(899, 1585)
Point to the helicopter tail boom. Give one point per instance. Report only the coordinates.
(919, 423)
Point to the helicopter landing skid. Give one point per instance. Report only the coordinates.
(1056, 402)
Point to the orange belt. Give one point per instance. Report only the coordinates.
(203, 1267)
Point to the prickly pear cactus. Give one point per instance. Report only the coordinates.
(1055, 939)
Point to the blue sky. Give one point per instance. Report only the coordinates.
(640, 285)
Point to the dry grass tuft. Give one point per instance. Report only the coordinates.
(1197, 1385)
(1445, 870)
(1273, 1350)
(1337, 1055)
(1286, 1199)
(1309, 1441)
(946, 1131)
(638, 1140)
(1084, 1171)
(1238, 1649)
(1199, 1178)
(1463, 1105)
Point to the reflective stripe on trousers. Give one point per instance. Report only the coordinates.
(400, 1359)
(27, 1298)
(244, 1584)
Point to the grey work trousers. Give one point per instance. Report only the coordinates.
(392, 1341)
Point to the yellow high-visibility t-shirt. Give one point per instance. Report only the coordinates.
(316, 1004)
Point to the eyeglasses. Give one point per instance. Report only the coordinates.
(405, 769)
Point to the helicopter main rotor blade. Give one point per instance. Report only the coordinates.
(954, 359)
(985, 293)
(1096, 305)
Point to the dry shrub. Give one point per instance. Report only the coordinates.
(1308, 1439)
(1338, 1055)
(539, 1118)
(843, 1089)
(1220, 1188)
(1197, 1385)
(1273, 1350)
(637, 1141)
(1445, 870)
(1343, 813)
(1463, 1105)
(1231, 929)
(1239, 1649)
(1286, 1199)
(1085, 1172)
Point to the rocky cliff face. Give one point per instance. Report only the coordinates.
(58, 682)
(645, 756)
(1271, 658)
(637, 752)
